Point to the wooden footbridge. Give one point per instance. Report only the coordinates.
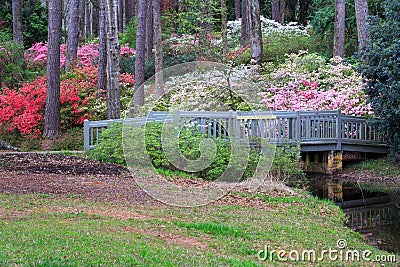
(323, 136)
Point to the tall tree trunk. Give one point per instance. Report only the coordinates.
(17, 22)
(282, 9)
(130, 10)
(95, 18)
(290, 13)
(175, 8)
(278, 10)
(158, 56)
(275, 10)
(246, 24)
(224, 21)
(52, 127)
(256, 37)
(204, 26)
(304, 11)
(87, 19)
(113, 90)
(82, 32)
(102, 66)
(149, 31)
(340, 16)
(140, 54)
(73, 34)
(237, 10)
(121, 15)
(362, 22)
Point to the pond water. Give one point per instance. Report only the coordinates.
(373, 210)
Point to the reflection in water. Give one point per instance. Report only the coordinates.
(376, 215)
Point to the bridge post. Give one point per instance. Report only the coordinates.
(298, 126)
(323, 161)
(339, 130)
(86, 143)
(335, 161)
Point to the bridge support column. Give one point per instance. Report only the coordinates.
(323, 162)
(335, 161)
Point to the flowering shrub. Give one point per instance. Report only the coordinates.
(306, 81)
(268, 27)
(87, 54)
(23, 110)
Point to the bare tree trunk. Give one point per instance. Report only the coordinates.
(158, 56)
(136, 8)
(304, 11)
(17, 22)
(224, 21)
(282, 9)
(91, 18)
(149, 31)
(340, 16)
(102, 67)
(123, 15)
(87, 19)
(52, 127)
(237, 10)
(246, 24)
(275, 10)
(130, 10)
(256, 37)
(205, 25)
(290, 11)
(113, 90)
(140, 54)
(362, 22)
(64, 20)
(95, 18)
(73, 35)
(278, 10)
(82, 32)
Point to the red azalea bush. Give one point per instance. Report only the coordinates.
(23, 109)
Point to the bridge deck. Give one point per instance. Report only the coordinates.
(312, 130)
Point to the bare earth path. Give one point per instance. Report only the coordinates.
(22, 173)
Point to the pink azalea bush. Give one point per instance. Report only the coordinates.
(306, 82)
(87, 54)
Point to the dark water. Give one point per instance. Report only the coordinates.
(373, 209)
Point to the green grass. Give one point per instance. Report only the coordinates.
(382, 167)
(46, 230)
(213, 228)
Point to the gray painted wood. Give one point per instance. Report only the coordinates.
(313, 130)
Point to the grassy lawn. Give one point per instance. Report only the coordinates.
(44, 230)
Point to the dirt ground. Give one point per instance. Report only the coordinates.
(22, 173)
(57, 174)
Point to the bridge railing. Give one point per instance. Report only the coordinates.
(290, 127)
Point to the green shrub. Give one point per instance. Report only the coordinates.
(72, 139)
(285, 165)
(110, 147)
(129, 35)
(274, 51)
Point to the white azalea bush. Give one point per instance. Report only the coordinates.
(268, 27)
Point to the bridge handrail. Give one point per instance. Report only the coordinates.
(274, 126)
